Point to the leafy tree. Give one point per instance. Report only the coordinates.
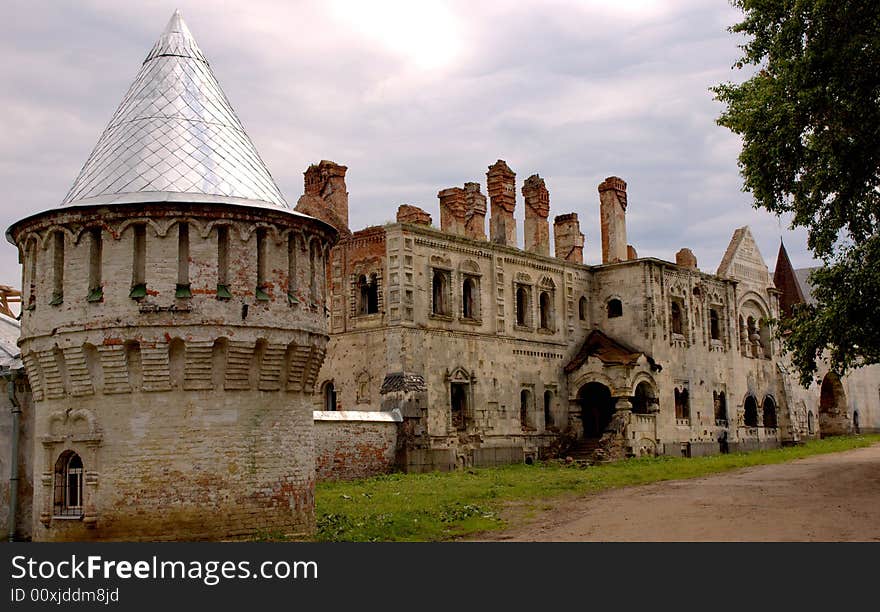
(809, 117)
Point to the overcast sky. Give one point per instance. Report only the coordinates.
(415, 97)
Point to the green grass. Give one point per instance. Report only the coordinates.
(443, 506)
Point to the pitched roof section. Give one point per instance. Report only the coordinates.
(742, 260)
(786, 281)
(175, 137)
(608, 351)
(803, 278)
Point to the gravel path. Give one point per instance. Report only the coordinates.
(833, 497)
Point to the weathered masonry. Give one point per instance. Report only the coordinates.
(512, 354)
(173, 326)
(193, 354)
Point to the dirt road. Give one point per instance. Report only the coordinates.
(834, 497)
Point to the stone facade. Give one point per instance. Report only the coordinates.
(524, 355)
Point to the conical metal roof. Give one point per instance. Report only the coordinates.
(175, 137)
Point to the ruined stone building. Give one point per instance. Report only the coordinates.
(193, 353)
(490, 353)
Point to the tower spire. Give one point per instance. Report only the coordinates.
(175, 137)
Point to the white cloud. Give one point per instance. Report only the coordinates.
(414, 97)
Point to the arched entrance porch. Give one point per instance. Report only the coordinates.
(597, 408)
(832, 407)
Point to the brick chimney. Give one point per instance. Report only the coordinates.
(612, 209)
(568, 238)
(413, 215)
(453, 210)
(536, 229)
(475, 218)
(325, 194)
(501, 185)
(686, 259)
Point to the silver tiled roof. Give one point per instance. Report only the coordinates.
(175, 137)
(10, 354)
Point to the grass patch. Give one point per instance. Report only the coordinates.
(443, 506)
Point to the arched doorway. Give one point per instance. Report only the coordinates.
(769, 413)
(750, 412)
(596, 408)
(832, 407)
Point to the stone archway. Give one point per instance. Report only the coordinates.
(832, 407)
(597, 408)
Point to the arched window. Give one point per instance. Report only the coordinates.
(644, 399)
(675, 312)
(582, 309)
(548, 409)
(363, 295)
(68, 498)
(545, 305)
(766, 339)
(615, 308)
(440, 293)
(811, 423)
(769, 410)
(856, 426)
(750, 412)
(522, 306)
(714, 325)
(470, 299)
(329, 396)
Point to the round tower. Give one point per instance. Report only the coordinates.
(173, 324)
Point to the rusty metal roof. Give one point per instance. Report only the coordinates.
(175, 137)
(608, 351)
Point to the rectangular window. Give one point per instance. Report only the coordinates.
(291, 268)
(261, 265)
(58, 269)
(223, 292)
(96, 247)
(183, 286)
(139, 263)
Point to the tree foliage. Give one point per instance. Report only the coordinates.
(809, 117)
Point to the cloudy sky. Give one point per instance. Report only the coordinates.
(414, 97)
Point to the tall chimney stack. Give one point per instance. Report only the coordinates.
(568, 238)
(475, 217)
(536, 229)
(452, 210)
(501, 185)
(325, 196)
(612, 208)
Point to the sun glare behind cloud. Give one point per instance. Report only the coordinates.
(424, 34)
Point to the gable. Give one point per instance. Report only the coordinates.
(743, 261)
